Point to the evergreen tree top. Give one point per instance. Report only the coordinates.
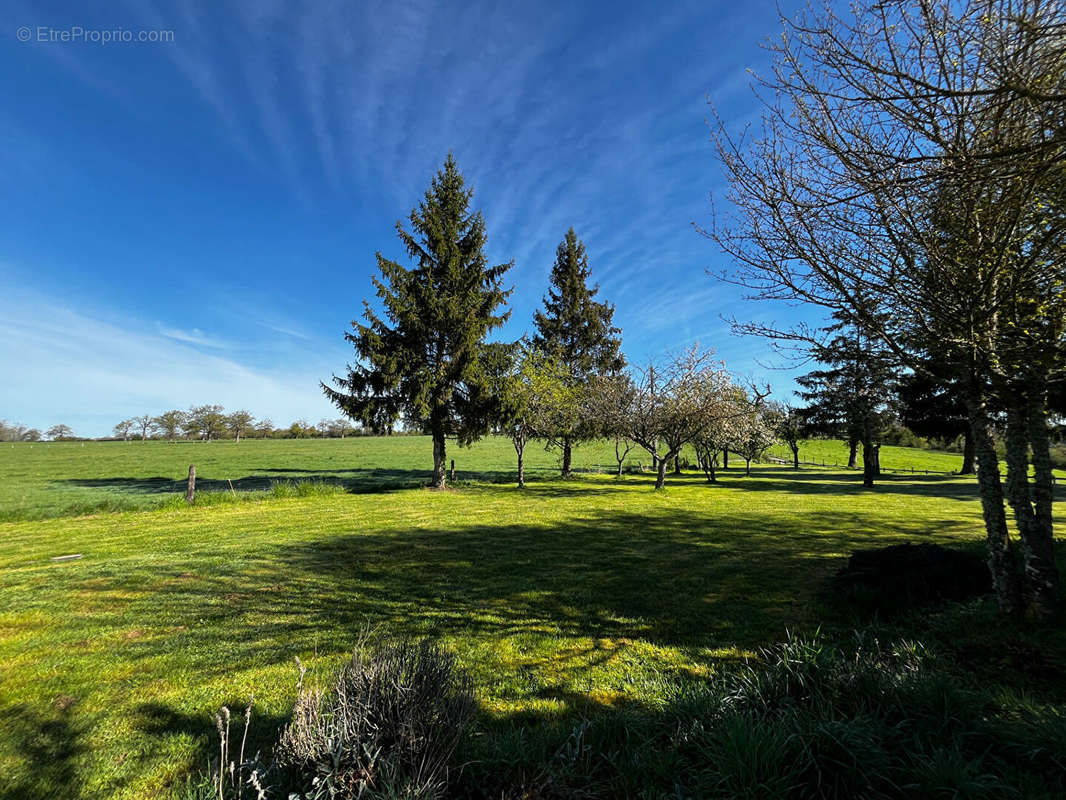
(574, 327)
(423, 358)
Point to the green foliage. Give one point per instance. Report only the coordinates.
(577, 332)
(537, 397)
(422, 361)
(852, 397)
(574, 328)
(170, 423)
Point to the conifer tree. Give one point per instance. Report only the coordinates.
(577, 331)
(852, 398)
(425, 361)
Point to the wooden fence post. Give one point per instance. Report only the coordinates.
(190, 492)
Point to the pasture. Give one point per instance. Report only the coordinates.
(39, 480)
(567, 600)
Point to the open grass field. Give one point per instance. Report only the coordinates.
(567, 599)
(74, 478)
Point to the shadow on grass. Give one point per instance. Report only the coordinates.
(537, 611)
(593, 585)
(355, 481)
(49, 745)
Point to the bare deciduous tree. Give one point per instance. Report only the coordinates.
(537, 398)
(668, 405)
(909, 174)
(143, 423)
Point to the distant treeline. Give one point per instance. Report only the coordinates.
(199, 423)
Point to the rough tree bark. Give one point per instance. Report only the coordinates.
(567, 457)
(853, 453)
(1041, 574)
(869, 463)
(1026, 426)
(968, 456)
(660, 473)
(795, 455)
(1000, 555)
(439, 462)
(708, 467)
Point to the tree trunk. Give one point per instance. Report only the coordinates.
(1026, 425)
(1000, 555)
(567, 456)
(967, 453)
(1038, 553)
(439, 461)
(853, 453)
(709, 468)
(869, 464)
(877, 459)
(725, 458)
(660, 475)
(795, 456)
(190, 489)
(747, 467)
(520, 448)
(677, 464)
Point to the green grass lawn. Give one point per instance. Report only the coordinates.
(51, 479)
(569, 598)
(833, 452)
(68, 478)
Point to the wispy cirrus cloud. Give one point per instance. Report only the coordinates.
(194, 336)
(72, 366)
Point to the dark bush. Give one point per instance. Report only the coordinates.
(893, 579)
(388, 728)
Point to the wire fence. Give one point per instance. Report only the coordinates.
(897, 470)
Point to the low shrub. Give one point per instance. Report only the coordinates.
(894, 579)
(805, 718)
(388, 728)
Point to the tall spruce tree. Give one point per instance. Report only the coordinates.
(576, 331)
(426, 361)
(934, 409)
(852, 398)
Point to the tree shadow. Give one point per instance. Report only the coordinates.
(828, 481)
(49, 746)
(680, 580)
(354, 481)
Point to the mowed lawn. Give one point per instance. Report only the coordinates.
(565, 599)
(39, 480)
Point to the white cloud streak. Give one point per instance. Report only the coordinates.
(70, 366)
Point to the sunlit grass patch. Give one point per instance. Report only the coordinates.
(568, 599)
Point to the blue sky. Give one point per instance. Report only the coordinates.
(195, 221)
